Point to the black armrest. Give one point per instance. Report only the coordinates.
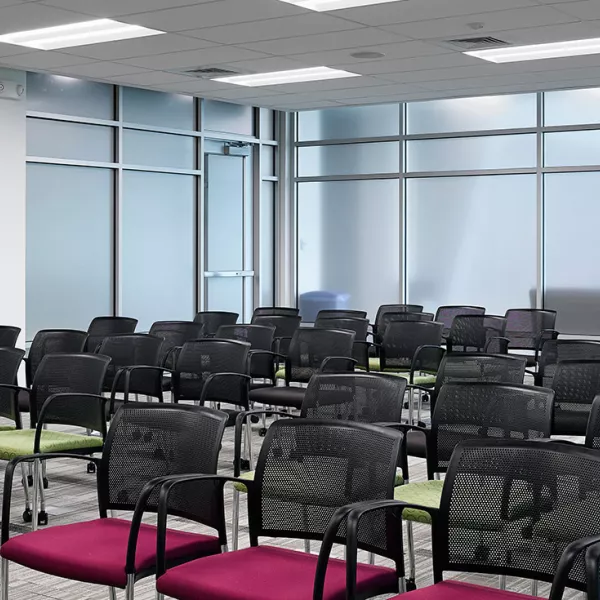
(215, 377)
(544, 336)
(592, 561)
(422, 388)
(427, 358)
(276, 357)
(16, 389)
(502, 342)
(337, 364)
(565, 564)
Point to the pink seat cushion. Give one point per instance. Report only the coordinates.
(265, 573)
(455, 590)
(95, 551)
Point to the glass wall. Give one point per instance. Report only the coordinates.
(115, 193)
(486, 201)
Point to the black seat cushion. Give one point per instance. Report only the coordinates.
(289, 397)
(570, 422)
(416, 444)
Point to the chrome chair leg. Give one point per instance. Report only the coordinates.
(235, 519)
(160, 596)
(410, 540)
(307, 546)
(36, 489)
(534, 588)
(25, 487)
(4, 579)
(112, 593)
(502, 582)
(402, 585)
(129, 590)
(249, 442)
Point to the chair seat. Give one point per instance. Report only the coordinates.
(288, 397)
(424, 380)
(265, 573)
(375, 365)
(95, 551)
(20, 443)
(416, 444)
(570, 422)
(456, 590)
(425, 493)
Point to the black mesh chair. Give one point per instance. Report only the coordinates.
(554, 351)
(592, 434)
(275, 311)
(359, 326)
(306, 470)
(528, 329)
(285, 328)
(102, 327)
(380, 319)
(502, 512)
(446, 314)
(145, 443)
(212, 320)
(10, 362)
(341, 313)
(174, 335)
(9, 336)
(311, 351)
(474, 332)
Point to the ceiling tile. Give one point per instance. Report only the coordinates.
(115, 8)
(12, 50)
(553, 33)
(321, 86)
(33, 16)
(481, 70)
(148, 78)
(101, 70)
(264, 65)
(307, 105)
(43, 60)
(193, 85)
(587, 10)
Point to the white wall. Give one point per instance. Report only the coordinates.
(12, 207)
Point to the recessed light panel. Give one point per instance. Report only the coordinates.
(281, 77)
(539, 51)
(97, 31)
(324, 5)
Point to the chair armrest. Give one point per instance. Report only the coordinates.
(278, 340)
(544, 336)
(422, 388)
(174, 351)
(532, 373)
(266, 353)
(215, 377)
(16, 389)
(433, 355)
(502, 342)
(592, 564)
(568, 557)
(337, 364)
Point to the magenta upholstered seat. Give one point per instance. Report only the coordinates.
(95, 551)
(456, 590)
(264, 573)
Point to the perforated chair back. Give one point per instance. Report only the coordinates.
(524, 326)
(592, 434)
(506, 509)
(66, 374)
(212, 320)
(9, 336)
(174, 335)
(309, 468)
(341, 313)
(10, 361)
(480, 410)
(146, 441)
(402, 339)
(446, 314)
(379, 324)
(310, 347)
(474, 331)
(285, 327)
(576, 383)
(554, 351)
(275, 311)
(53, 341)
(358, 397)
(359, 326)
(200, 359)
(136, 349)
(260, 338)
(102, 327)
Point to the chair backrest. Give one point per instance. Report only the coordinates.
(53, 341)
(213, 319)
(474, 331)
(358, 397)
(446, 314)
(480, 410)
(9, 336)
(393, 308)
(592, 434)
(10, 361)
(101, 327)
(576, 383)
(258, 336)
(199, 359)
(66, 374)
(525, 325)
(285, 325)
(554, 351)
(146, 441)
(402, 339)
(310, 347)
(273, 311)
(359, 326)
(341, 313)
(309, 468)
(512, 507)
(174, 335)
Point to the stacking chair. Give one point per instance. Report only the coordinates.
(285, 328)
(146, 442)
(592, 434)
(10, 362)
(306, 470)
(212, 320)
(102, 327)
(341, 313)
(528, 329)
(554, 351)
(275, 311)
(174, 335)
(502, 512)
(380, 319)
(446, 314)
(359, 326)
(474, 332)
(9, 336)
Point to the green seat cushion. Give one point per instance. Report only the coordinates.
(280, 374)
(374, 365)
(426, 379)
(425, 493)
(20, 442)
(399, 479)
(7, 427)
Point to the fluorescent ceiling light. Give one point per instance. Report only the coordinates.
(77, 34)
(323, 5)
(294, 76)
(539, 51)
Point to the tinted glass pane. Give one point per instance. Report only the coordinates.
(69, 246)
(225, 293)
(158, 108)
(227, 117)
(572, 107)
(158, 149)
(572, 148)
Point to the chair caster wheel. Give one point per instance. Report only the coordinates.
(262, 431)
(91, 467)
(30, 480)
(27, 515)
(411, 585)
(42, 518)
(405, 405)
(245, 464)
(253, 419)
(425, 398)
(45, 483)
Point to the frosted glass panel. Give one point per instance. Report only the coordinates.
(461, 154)
(225, 293)
(572, 148)
(349, 122)
(472, 114)
(471, 240)
(158, 149)
(572, 107)
(349, 241)
(69, 246)
(349, 159)
(572, 251)
(228, 117)
(61, 139)
(158, 108)
(266, 240)
(157, 247)
(70, 96)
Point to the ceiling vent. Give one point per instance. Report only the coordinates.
(477, 43)
(210, 72)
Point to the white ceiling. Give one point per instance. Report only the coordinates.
(268, 35)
